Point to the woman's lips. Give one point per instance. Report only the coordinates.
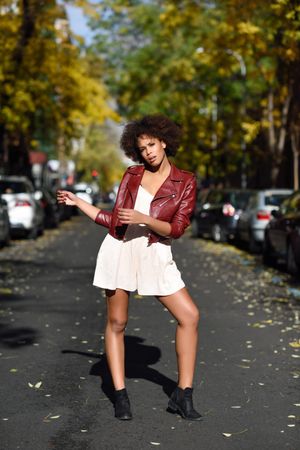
(151, 160)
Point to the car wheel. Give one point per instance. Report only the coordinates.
(217, 233)
(6, 239)
(33, 233)
(194, 225)
(268, 258)
(254, 246)
(291, 264)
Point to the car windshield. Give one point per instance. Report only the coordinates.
(236, 199)
(12, 187)
(274, 200)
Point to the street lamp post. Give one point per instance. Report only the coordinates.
(243, 70)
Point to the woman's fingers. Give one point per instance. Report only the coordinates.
(62, 196)
(124, 215)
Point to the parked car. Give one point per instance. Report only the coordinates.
(84, 191)
(4, 223)
(26, 215)
(254, 219)
(282, 235)
(217, 214)
(51, 208)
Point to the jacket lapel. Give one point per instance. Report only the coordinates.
(168, 188)
(134, 181)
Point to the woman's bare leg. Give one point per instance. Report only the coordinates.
(117, 316)
(184, 310)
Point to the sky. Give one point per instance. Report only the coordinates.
(78, 23)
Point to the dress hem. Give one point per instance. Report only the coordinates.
(139, 292)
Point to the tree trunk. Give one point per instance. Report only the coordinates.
(295, 140)
(276, 143)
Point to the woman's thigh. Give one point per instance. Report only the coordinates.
(181, 306)
(117, 302)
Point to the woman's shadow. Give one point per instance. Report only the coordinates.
(138, 358)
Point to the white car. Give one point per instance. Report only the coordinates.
(256, 216)
(25, 213)
(84, 191)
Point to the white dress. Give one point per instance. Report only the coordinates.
(132, 264)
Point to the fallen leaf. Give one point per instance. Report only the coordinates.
(233, 434)
(54, 417)
(155, 443)
(38, 385)
(5, 291)
(295, 344)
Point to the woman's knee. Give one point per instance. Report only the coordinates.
(191, 318)
(117, 324)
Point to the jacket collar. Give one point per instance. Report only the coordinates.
(166, 189)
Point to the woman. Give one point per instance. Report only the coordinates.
(154, 202)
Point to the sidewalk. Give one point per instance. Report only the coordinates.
(51, 330)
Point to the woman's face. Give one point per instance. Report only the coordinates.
(152, 150)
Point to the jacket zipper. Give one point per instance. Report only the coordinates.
(166, 199)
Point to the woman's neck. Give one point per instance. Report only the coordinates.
(162, 168)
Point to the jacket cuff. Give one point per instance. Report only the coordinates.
(103, 218)
(177, 229)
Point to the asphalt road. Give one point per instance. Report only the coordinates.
(55, 390)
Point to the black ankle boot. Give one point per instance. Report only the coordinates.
(122, 405)
(181, 401)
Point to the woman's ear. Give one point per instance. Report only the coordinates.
(163, 144)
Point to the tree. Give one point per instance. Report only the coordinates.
(50, 89)
(100, 152)
(150, 50)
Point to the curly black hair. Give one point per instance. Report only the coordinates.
(157, 126)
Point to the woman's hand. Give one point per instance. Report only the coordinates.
(66, 197)
(129, 216)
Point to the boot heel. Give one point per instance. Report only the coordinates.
(172, 406)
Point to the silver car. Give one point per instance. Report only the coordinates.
(25, 213)
(257, 214)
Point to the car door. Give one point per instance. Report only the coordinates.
(208, 214)
(246, 216)
(284, 223)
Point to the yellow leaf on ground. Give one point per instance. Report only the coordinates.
(295, 344)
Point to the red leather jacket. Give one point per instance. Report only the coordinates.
(173, 203)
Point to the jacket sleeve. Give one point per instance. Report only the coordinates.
(181, 218)
(104, 218)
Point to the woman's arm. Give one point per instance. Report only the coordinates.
(71, 199)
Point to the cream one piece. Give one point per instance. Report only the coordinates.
(132, 264)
